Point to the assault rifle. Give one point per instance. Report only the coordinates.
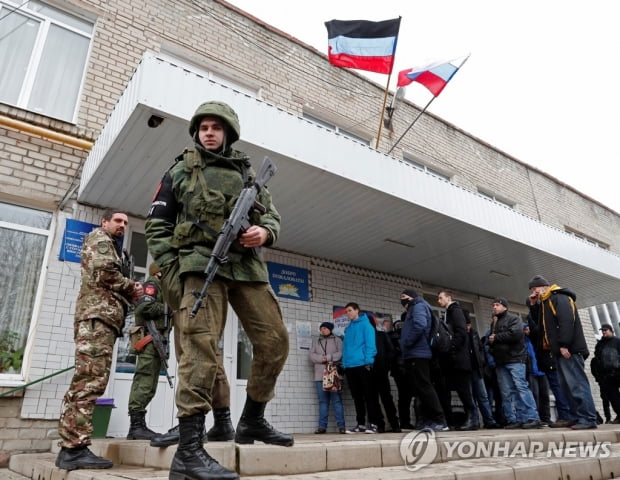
(237, 223)
(158, 343)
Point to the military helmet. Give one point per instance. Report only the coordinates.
(220, 110)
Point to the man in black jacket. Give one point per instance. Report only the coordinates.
(507, 345)
(457, 366)
(606, 366)
(553, 310)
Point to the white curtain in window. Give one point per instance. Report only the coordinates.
(59, 76)
(17, 36)
(21, 256)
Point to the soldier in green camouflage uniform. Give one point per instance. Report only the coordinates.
(104, 296)
(190, 207)
(148, 364)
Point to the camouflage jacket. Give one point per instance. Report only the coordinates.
(151, 305)
(181, 203)
(104, 292)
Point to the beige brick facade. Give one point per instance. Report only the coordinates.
(38, 171)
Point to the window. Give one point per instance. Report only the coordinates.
(424, 168)
(42, 50)
(24, 234)
(495, 198)
(337, 129)
(587, 238)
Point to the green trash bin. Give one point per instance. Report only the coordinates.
(101, 417)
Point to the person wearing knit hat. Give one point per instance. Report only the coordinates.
(554, 317)
(538, 281)
(501, 301)
(507, 345)
(328, 325)
(325, 349)
(410, 292)
(606, 371)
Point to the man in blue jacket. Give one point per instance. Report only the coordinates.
(414, 343)
(358, 356)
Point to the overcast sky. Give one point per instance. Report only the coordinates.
(541, 83)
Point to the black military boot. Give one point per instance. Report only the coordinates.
(222, 429)
(253, 426)
(80, 457)
(191, 461)
(171, 437)
(137, 427)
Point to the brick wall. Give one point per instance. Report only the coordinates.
(38, 171)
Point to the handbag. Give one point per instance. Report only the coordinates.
(332, 381)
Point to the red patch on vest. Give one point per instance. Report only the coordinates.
(150, 290)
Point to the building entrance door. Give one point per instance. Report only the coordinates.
(237, 359)
(161, 412)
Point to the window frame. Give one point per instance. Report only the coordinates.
(18, 379)
(418, 165)
(331, 125)
(36, 54)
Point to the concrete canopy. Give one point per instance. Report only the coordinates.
(342, 200)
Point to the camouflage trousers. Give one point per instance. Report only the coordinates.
(259, 312)
(94, 344)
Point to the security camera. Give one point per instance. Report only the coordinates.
(154, 121)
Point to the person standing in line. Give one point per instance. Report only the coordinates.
(479, 391)
(194, 199)
(417, 354)
(102, 304)
(456, 366)
(325, 349)
(380, 376)
(358, 356)
(548, 365)
(537, 380)
(606, 362)
(507, 345)
(403, 385)
(553, 310)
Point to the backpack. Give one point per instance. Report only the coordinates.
(610, 360)
(440, 338)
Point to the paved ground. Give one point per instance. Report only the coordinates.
(6, 474)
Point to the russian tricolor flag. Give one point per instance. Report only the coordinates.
(434, 76)
(363, 44)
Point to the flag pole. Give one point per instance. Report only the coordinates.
(385, 97)
(427, 105)
(412, 124)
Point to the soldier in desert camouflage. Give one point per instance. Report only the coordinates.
(103, 300)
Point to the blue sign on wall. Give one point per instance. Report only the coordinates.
(289, 282)
(72, 240)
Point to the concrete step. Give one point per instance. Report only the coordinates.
(514, 454)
